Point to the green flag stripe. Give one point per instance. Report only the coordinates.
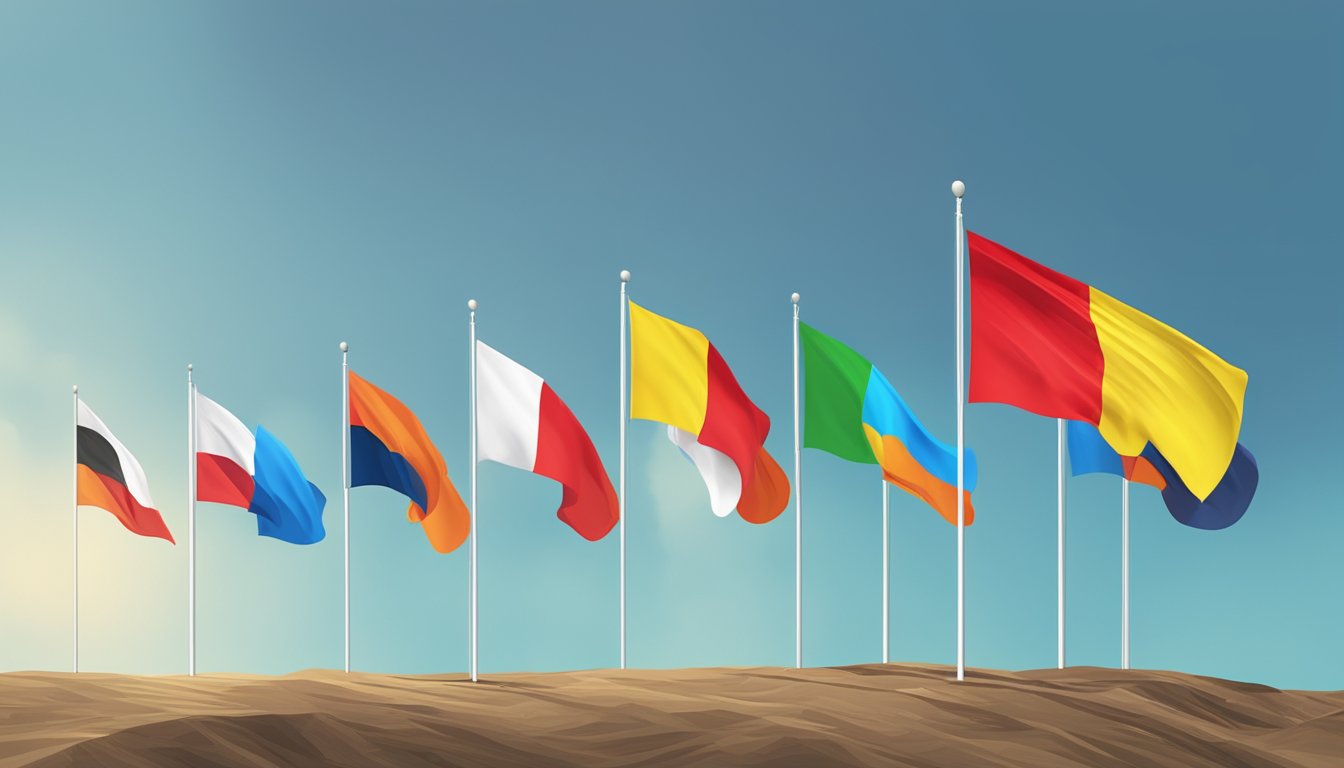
(836, 379)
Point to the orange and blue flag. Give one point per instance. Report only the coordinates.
(1090, 453)
(389, 447)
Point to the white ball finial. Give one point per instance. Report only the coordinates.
(75, 389)
(794, 298)
(345, 347)
(188, 367)
(625, 275)
(958, 188)
(471, 304)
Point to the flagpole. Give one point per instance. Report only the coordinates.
(886, 573)
(1063, 446)
(1124, 573)
(475, 518)
(191, 523)
(959, 191)
(74, 519)
(345, 484)
(798, 505)
(625, 314)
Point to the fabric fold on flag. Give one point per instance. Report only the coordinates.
(522, 423)
(679, 379)
(287, 505)
(389, 447)
(107, 476)
(1057, 347)
(852, 411)
(258, 474)
(1090, 453)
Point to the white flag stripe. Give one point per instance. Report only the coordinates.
(220, 433)
(719, 472)
(136, 482)
(508, 409)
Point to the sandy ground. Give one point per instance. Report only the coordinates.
(898, 715)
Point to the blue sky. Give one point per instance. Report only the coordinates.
(243, 185)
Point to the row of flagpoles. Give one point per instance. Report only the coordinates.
(672, 374)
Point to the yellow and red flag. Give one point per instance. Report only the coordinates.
(678, 378)
(1052, 345)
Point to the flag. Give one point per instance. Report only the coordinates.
(109, 477)
(258, 474)
(1057, 347)
(521, 422)
(678, 378)
(1089, 453)
(852, 411)
(388, 447)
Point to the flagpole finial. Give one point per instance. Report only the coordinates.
(188, 367)
(625, 275)
(794, 298)
(345, 347)
(958, 189)
(75, 389)
(471, 304)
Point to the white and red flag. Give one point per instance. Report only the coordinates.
(521, 422)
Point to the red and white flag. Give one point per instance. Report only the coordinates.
(521, 422)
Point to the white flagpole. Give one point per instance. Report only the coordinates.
(798, 504)
(886, 573)
(625, 418)
(1063, 446)
(74, 522)
(345, 484)
(475, 518)
(959, 191)
(191, 523)
(1124, 573)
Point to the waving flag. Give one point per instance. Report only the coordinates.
(109, 477)
(853, 412)
(1049, 344)
(521, 422)
(1089, 453)
(258, 474)
(678, 378)
(388, 447)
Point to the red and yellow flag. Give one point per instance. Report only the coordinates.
(1054, 346)
(678, 378)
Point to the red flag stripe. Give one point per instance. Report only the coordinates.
(735, 427)
(1033, 342)
(566, 454)
(222, 481)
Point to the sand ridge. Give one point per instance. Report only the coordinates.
(896, 714)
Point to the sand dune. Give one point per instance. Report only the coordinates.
(902, 715)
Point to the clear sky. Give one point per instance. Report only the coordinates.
(243, 185)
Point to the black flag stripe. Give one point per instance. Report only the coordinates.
(96, 453)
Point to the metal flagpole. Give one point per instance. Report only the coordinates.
(1063, 446)
(625, 418)
(74, 521)
(345, 484)
(798, 505)
(191, 523)
(959, 191)
(886, 573)
(1124, 573)
(475, 518)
